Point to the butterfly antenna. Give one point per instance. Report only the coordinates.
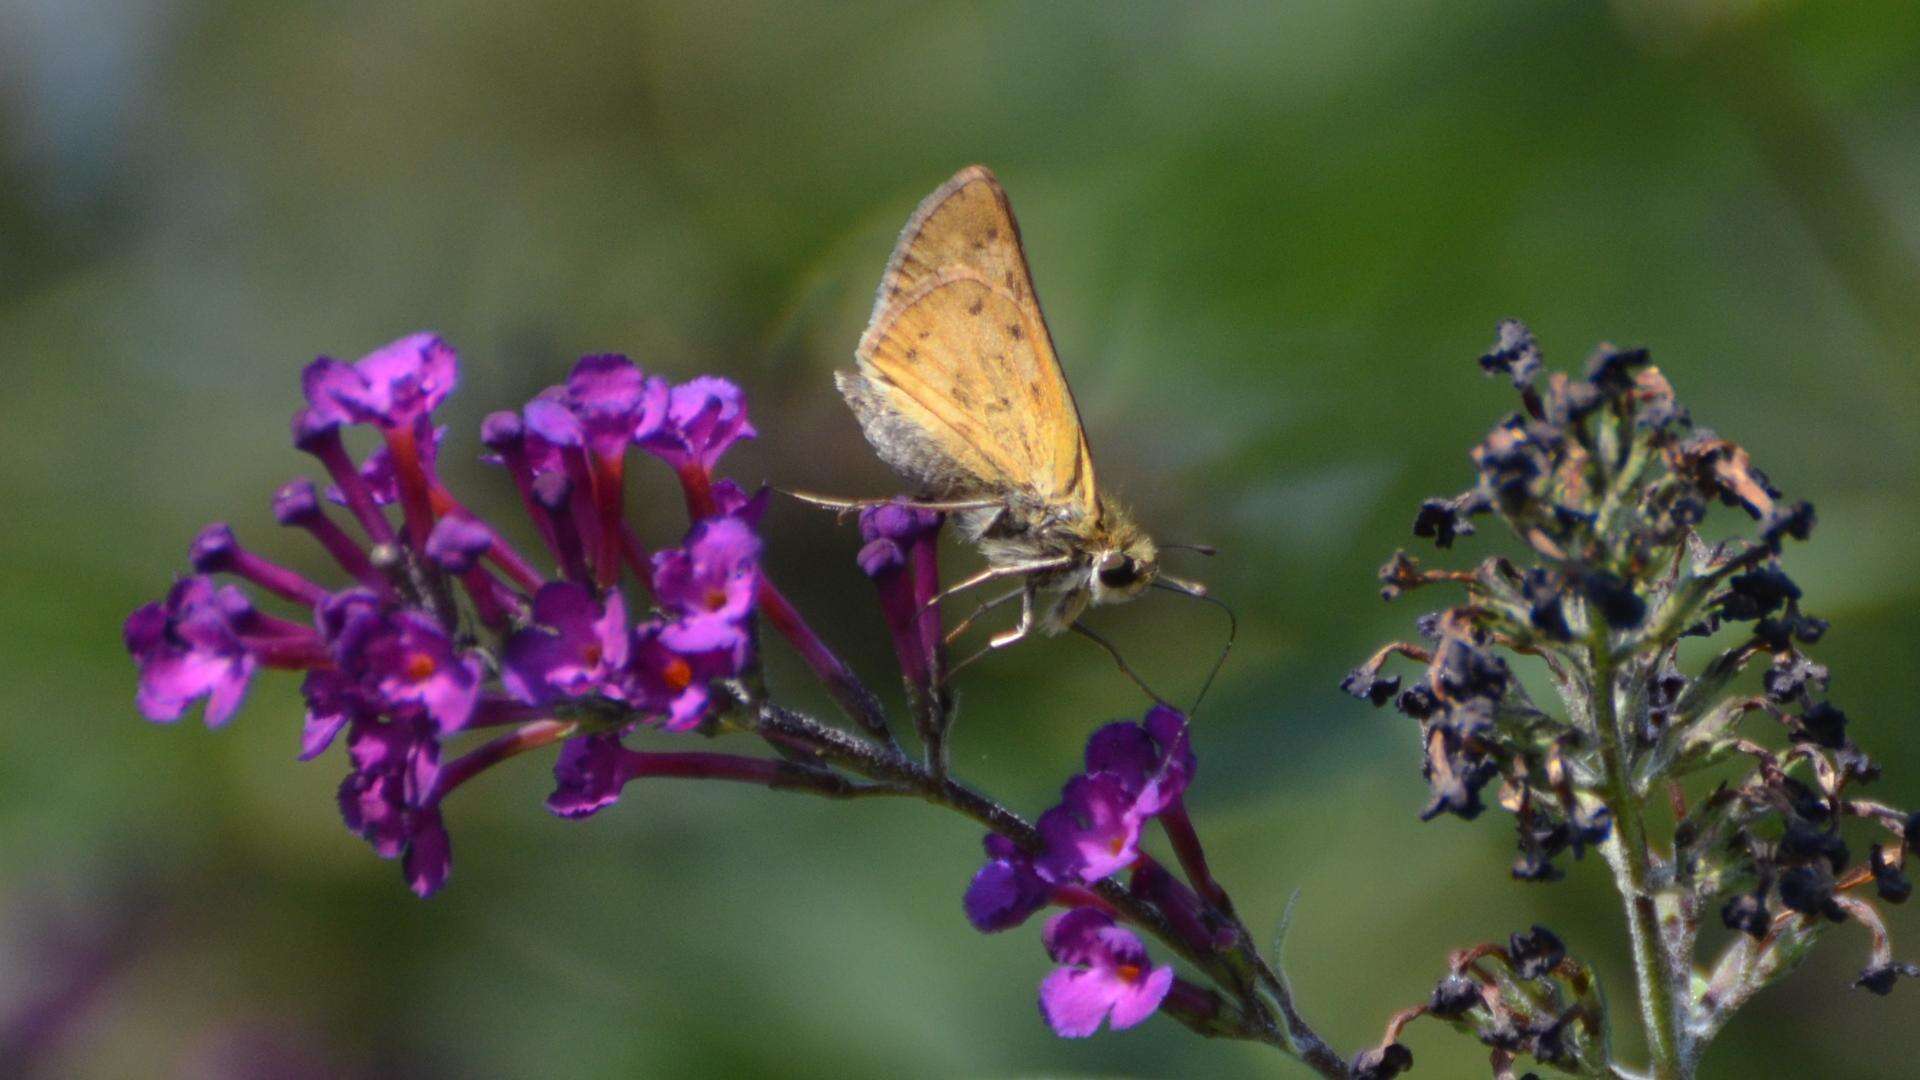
(1118, 659)
(1184, 588)
(1198, 549)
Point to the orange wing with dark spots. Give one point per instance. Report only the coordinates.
(958, 385)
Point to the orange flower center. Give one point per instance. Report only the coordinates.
(1128, 972)
(592, 655)
(678, 674)
(420, 667)
(1114, 845)
(716, 599)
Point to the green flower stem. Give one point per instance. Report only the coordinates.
(1627, 851)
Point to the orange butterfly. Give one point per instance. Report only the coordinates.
(959, 389)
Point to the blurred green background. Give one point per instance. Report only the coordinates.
(1271, 239)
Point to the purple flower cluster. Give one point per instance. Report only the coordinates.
(443, 627)
(441, 650)
(1135, 773)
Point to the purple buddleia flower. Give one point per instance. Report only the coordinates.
(1092, 833)
(417, 664)
(394, 765)
(456, 543)
(897, 521)
(402, 658)
(591, 419)
(512, 445)
(394, 386)
(589, 774)
(705, 416)
(1006, 890)
(217, 551)
(189, 646)
(317, 432)
(428, 860)
(1153, 759)
(575, 645)
(613, 401)
(1105, 975)
(672, 685)
(708, 586)
(897, 555)
(389, 798)
(732, 500)
(377, 472)
(555, 426)
(333, 701)
(297, 504)
(1134, 773)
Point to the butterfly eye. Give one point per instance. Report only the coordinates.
(1117, 571)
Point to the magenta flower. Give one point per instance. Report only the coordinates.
(1135, 772)
(333, 702)
(389, 798)
(377, 471)
(317, 432)
(899, 557)
(553, 424)
(395, 763)
(297, 504)
(603, 407)
(613, 402)
(708, 586)
(1006, 890)
(732, 500)
(589, 774)
(402, 660)
(217, 551)
(189, 647)
(1105, 975)
(428, 860)
(675, 686)
(577, 643)
(394, 386)
(510, 444)
(1153, 759)
(705, 416)
(456, 543)
(1094, 831)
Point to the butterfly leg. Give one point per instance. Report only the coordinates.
(994, 573)
(964, 624)
(1006, 637)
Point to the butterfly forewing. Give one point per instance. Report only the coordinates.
(967, 224)
(958, 386)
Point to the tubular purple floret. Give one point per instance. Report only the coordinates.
(412, 482)
(297, 504)
(217, 551)
(554, 492)
(320, 437)
(505, 434)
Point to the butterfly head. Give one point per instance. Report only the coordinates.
(1124, 570)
